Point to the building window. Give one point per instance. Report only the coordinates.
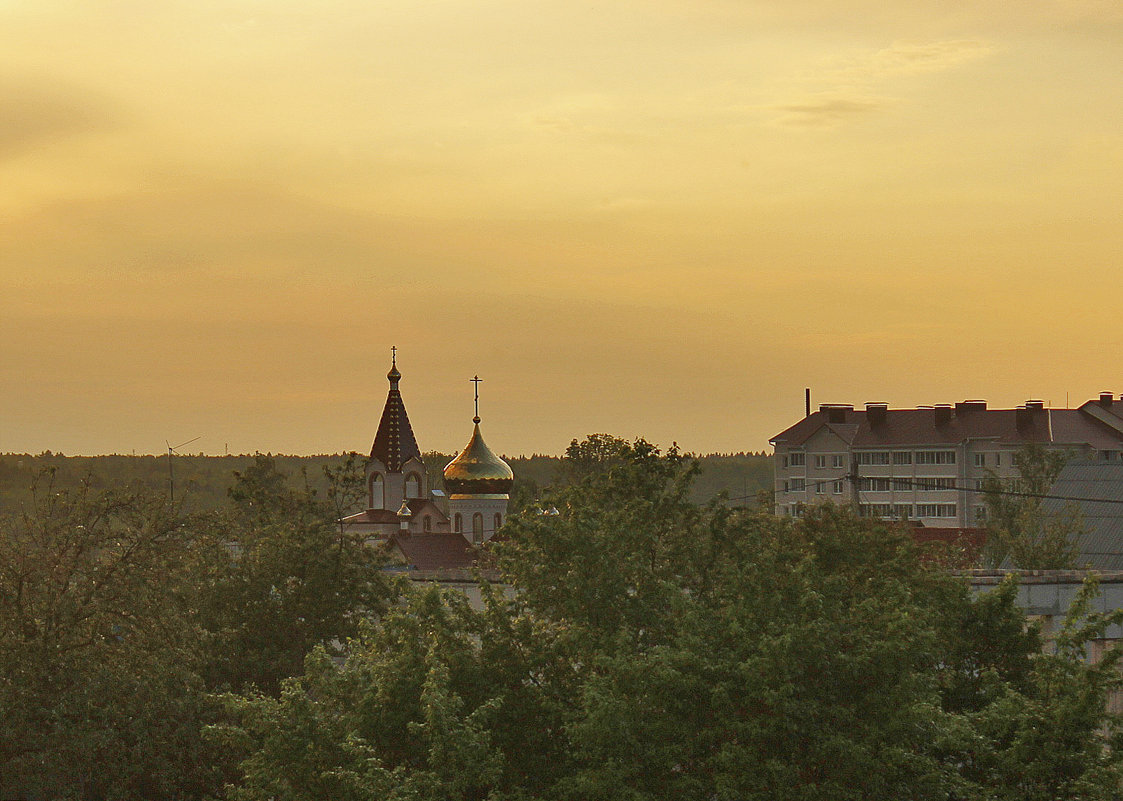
(902, 511)
(980, 460)
(980, 514)
(821, 460)
(935, 457)
(935, 510)
(998, 460)
(477, 527)
(377, 492)
(798, 485)
(875, 510)
(902, 457)
(798, 459)
(873, 457)
(820, 487)
(784, 459)
(427, 523)
(836, 460)
(413, 486)
(498, 521)
(838, 488)
(458, 524)
(873, 484)
(934, 484)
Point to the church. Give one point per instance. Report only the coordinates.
(429, 529)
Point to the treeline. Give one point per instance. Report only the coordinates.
(201, 483)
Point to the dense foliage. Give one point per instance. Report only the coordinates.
(1020, 531)
(640, 646)
(655, 649)
(120, 619)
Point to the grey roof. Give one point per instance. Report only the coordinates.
(1099, 488)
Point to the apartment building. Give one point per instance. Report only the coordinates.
(928, 464)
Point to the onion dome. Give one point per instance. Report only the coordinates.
(478, 471)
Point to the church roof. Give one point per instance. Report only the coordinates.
(434, 551)
(394, 444)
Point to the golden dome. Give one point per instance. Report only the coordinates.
(476, 470)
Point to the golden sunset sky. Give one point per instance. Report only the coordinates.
(644, 217)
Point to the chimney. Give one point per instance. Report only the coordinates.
(942, 414)
(875, 413)
(807, 402)
(836, 412)
(968, 406)
(1023, 417)
(1037, 405)
(1105, 399)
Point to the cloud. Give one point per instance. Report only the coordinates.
(849, 86)
(911, 58)
(35, 111)
(827, 110)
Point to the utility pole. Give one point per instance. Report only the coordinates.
(171, 476)
(855, 499)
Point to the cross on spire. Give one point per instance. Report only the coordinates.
(476, 380)
(393, 355)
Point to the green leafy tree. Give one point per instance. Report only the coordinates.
(282, 576)
(100, 692)
(654, 649)
(1019, 530)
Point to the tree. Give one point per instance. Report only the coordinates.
(282, 576)
(1019, 530)
(654, 649)
(100, 692)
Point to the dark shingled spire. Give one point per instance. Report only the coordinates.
(394, 444)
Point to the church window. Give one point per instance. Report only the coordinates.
(427, 523)
(498, 520)
(413, 486)
(458, 524)
(377, 492)
(477, 527)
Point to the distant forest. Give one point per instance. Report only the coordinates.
(201, 482)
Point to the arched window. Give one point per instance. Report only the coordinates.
(498, 521)
(477, 527)
(457, 524)
(377, 491)
(427, 523)
(413, 486)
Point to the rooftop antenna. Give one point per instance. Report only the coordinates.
(171, 477)
(476, 380)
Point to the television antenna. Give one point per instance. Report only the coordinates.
(171, 477)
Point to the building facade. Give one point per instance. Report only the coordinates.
(928, 464)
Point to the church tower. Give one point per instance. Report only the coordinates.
(478, 484)
(395, 472)
(398, 497)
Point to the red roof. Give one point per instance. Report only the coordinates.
(373, 516)
(954, 547)
(434, 551)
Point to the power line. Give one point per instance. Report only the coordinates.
(925, 484)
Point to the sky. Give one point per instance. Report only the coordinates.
(656, 218)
